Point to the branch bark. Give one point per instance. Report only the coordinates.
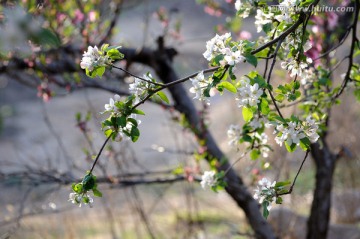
(318, 222)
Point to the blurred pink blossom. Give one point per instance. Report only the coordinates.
(79, 16)
(245, 35)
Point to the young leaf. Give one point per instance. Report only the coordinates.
(88, 182)
(227, 85)
(163, 96)
(305, 143)
(121, 121)
(134, 134)
(290, 148)
(251, 59)
(137, 111)
(255, 153)
(265, 204)
(96, 192)
(247, 114)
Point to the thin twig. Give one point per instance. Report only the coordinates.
(97, 157)
(352, 49)
(141, 78)
(297, 174)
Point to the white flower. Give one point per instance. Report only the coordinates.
(233, 58)
(245, 6)
(287, 8)
(74, 198)
(307, 46)
(215, 46)
(234, 134)
(111, 105)
(199, 85)
(265, 151)
(308, 76)
(295, 67)
(262, 18)
(93, 58)
(247, 94)
(78, 199)
(139, 86)
(237, 5)
(265, 191)
(310, 129)
(291, 134)
(257, 122)
(208, 179)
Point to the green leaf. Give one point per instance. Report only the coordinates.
(357, 94)
(279, 200)
(88, 182)
(290, 148)
(247, 114)
(251, 59)
(99, 71)
(227, 85)
(77, 187)
(218, 58)
(305, 143)
(264, 106)
(178, 170)
(163, 96)
(265, 204)
(255, 153)
(137, 111)
(133, 121)
(121, 121)
(267, 27)
(96, 192)
(114, 54)
(108, 132)
(282, 184)
(134, 134)
(247, 138)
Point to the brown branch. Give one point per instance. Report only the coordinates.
(297, 174)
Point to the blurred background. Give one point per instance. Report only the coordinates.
(50, 129)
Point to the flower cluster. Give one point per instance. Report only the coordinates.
(310, 129)
(287, 10)
(308, 77)
(263, 18)
(247, 94)
(243, 7)
(295, 131)
(219, 46)
(200, 84)
(263, 139)
(234, 134)
(296, 67)
(265, 192)
(113, 108)
(258, 122)
(291, 134)
(208, 179)
(80, 191)
(93, 58)
(139, 87)
(78, 199)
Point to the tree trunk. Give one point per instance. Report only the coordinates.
(161, 62)
(318, 222)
